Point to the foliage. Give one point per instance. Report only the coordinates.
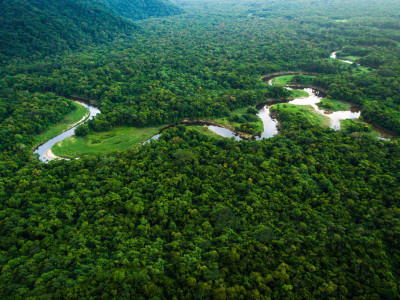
(24, 115)
(334, 105)
(74, 116)
(310, 213)
(307, 214)
(302, 112)
(82, 130)
(42, 27)
(143, 9)
(38, 28)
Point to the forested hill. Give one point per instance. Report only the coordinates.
(43, 27)
(38, 28)
(142, 9)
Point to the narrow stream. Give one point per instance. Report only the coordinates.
(44, 150)
(224, 132)
(333, 55)
(270, 123)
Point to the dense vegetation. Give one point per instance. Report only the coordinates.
(42, 27)
(142, 9)
(310, 213)
(164, 76)
(26, 115)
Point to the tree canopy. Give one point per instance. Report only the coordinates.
(310, 213)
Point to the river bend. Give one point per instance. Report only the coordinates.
(270, 123)
(44, 151)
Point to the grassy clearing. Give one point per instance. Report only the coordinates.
(341, 21)
(334, 105)
(282, 80)
(258, 126)
(352, 58)
(298, 94)
(362, 69)
(71, 118)
(364, 127)
(288, 79)
(119, 138)
(358, 69)
(307, 111)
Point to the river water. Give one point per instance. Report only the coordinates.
(44, 150)
(335, 117)
(270, 123)
(333, 55)
(224, 132)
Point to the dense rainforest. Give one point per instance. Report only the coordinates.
(143, 9)
(309, 213)
(42, 27)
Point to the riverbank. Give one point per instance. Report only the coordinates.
(240, 117)
(260, 126)
(122, 138)
(51, 156)
(206, 122)
(209, 122)
(75, 117)
(43, 150)
(284, 79)
(335, 105)
(306, 110)
(351, 60)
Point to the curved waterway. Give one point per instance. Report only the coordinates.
(333, 55)
(271, 124)
(44, 150)
(334, 117)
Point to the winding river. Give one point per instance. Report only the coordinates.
(333, 55)
(270, 123)
(44, 151)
